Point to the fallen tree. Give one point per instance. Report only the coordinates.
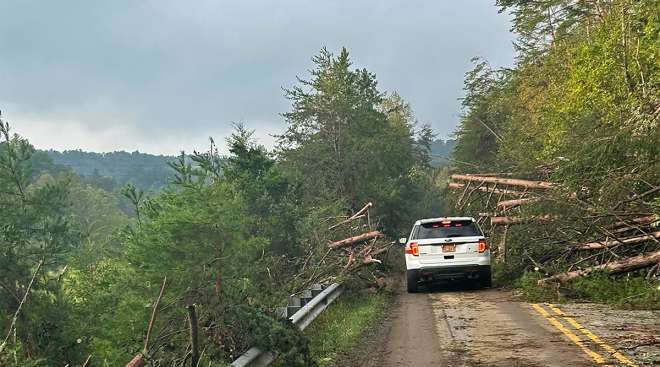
(358, 215)
(505, 181)
(610, 243)
(494, 190)
(635, 221)
(508, 204)
(355, 239)
(499, 221)
(621, 266)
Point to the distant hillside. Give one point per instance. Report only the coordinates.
(109, 170)
(441, 150)
(151, 172)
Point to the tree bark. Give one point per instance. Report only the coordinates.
(621, 266)
(610, 243)
(503, 244)
(639, 220)
(498, 221)
(454, 185)
(508, 204)
(351, 240)
(194, 343)
(506, 181)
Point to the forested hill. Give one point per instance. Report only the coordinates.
(145, 171)
(441, 150)
(151, 172)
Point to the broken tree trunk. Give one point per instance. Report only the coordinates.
(634, 221)
(505, 181)
(137, 361)
(356, 239)
(194, 341)
(345, 221)
(154, 312)
(489, 174)
(499, 221)
(355, 216)
(621, 266)
(610, 243)
(508, 204)
(503, 244)
(454, 185)
(12, 325)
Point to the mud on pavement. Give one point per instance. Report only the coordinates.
(464, 327)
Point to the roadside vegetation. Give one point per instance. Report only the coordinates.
(345, 325)
(82, 267)
(580, 110)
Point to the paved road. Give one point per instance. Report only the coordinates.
(487, 328)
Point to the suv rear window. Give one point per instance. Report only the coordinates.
(445, 229)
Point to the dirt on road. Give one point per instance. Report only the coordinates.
(492, 327)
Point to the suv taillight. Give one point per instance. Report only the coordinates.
(412, 248)
(483, 246)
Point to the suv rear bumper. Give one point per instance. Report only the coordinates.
(472, 271)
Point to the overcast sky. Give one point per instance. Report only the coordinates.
(162, 76)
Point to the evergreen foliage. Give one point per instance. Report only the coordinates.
(348, 140)
(232, 235)
(581, 109)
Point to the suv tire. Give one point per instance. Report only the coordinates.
(485, 277)
(411, 281)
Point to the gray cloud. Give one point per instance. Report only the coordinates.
(161, 76)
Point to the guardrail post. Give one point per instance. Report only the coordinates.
(305, 297)
(316, 289)
(293, 306)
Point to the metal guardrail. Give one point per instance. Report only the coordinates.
(308, 309)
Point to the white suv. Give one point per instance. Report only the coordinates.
(446, 248)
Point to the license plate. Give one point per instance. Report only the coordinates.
(448, 248)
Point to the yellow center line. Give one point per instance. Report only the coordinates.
(593, 337)
(572, 337)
